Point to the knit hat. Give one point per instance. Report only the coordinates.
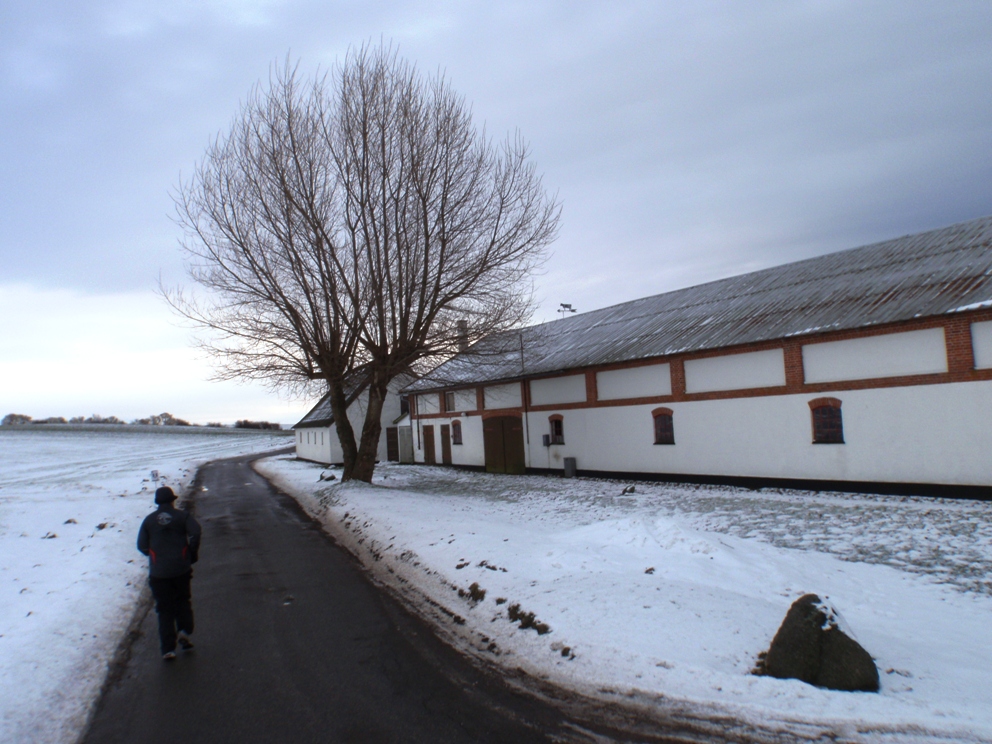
(164, 495)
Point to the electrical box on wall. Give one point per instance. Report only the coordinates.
(547, 440)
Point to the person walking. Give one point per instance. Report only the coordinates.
(170, 538)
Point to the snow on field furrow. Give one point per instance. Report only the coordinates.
(34, 466)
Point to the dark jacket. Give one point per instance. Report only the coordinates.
(170, 538)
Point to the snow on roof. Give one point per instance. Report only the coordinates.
(931, 273)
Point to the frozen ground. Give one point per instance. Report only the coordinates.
(71, 501)
(664, 597)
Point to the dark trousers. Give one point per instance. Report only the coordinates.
(173, 608)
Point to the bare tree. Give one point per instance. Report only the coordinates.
(347, 223)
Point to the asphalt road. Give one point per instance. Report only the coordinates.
(293, 644)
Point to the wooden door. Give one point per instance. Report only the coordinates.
(429, 457)
(392, 444)
(513, 442)
(445, 444)
(503, 439)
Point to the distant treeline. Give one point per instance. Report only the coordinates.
(161, 419)
(257, 425)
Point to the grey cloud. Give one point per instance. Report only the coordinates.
(687, 141)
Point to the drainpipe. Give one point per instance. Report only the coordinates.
(525, 395)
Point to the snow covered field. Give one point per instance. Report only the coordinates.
(664, 597)
(71, 501)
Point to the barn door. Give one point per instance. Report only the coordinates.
(503, 438)
(513, 443)
(445, 444)
(429, 457)
(392, 444)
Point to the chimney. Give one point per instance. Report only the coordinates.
(462, 334)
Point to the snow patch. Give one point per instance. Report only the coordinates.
(665, 597)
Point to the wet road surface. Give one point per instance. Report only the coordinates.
(293, 644)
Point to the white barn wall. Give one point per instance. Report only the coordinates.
(981, 344)
(634, 382)
(328, 450)
(502, 396)
(427, 404)
(916, 434)
(465, 400)
(472, 450)
(754, 369)
(557, 390)
(318, 446)
(889, 355)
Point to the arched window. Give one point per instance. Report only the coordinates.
(456, 432)
(828, 424)
(664, 430)
(557, 422)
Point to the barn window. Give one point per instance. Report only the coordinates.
(456, 432)
(664, 430)
(557, 429)
(449, 402)
(404, 406)
(828, 425)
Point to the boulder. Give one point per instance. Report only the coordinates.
(812, 646)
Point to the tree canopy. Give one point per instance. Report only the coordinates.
(345, 225)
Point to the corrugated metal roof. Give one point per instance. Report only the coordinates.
(319, 415)
(931, 273)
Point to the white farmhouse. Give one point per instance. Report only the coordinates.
(317, 438)
(868, 369)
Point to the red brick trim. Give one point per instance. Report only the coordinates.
(497, 412)
(677, 369)
(795, 375)
(661, 412)
(824, 402)
(957, 335)
(556, 417)
(960, 354)
(592, 387)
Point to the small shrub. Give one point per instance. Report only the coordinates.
(527, 619)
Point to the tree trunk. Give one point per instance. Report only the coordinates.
(346, 434)
(371, 432)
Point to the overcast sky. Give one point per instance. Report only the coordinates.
(687, 142)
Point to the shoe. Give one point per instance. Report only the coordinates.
(169, 655)
(185, 643)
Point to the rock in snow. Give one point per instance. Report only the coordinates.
(810, 646)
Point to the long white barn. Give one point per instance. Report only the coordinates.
(868, 369)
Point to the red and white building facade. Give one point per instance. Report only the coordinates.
(869, 369)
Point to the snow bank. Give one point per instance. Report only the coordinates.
(71, 501)
(665, 597)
